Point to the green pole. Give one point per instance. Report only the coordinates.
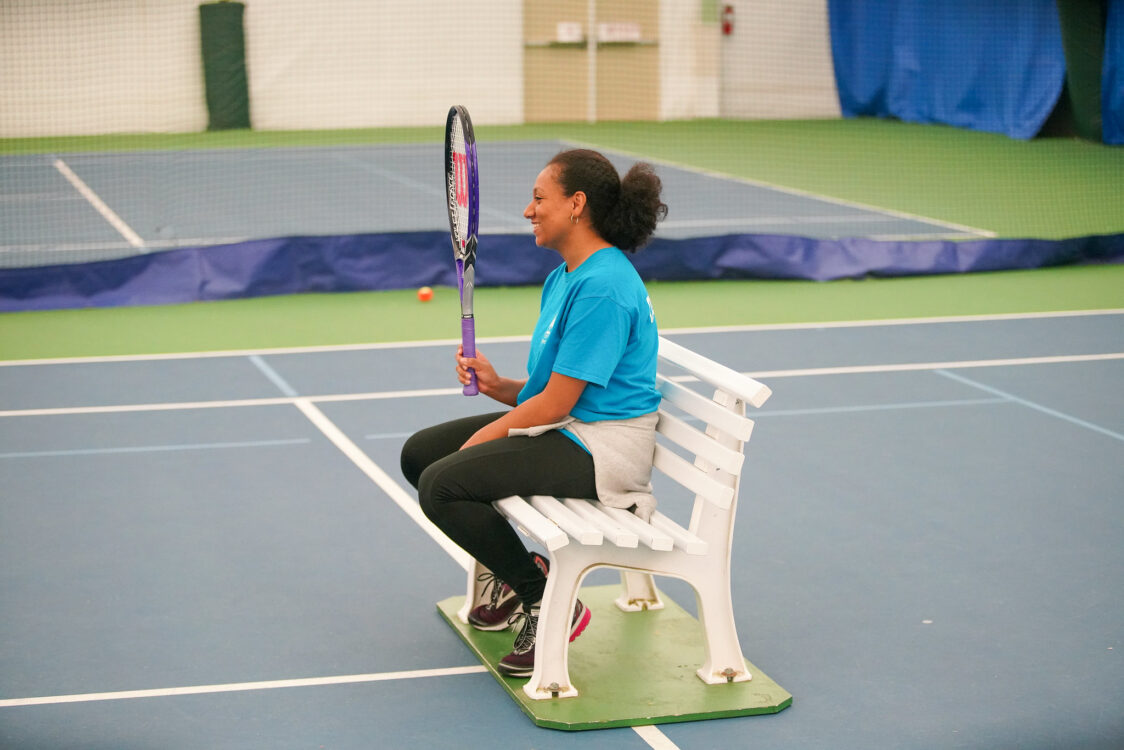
(1083, 30)
(224, 65)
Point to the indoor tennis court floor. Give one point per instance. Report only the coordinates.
(79, 206)
(219, 551)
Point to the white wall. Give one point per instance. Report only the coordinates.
(360, 63)
(777, 63)
(77, 67)
(689, 61)
(99, 67)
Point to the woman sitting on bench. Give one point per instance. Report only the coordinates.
(582, 424)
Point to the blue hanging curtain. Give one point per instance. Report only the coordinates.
(1112, 79)
(996, 66)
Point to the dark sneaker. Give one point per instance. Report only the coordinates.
(521, 661)
(497, 613)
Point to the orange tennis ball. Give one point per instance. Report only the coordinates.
(425, 294)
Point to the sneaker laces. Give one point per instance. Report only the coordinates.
(525, 641)
(490, 579)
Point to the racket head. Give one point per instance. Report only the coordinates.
(462, 184)
(462, 191)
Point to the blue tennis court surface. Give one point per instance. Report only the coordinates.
(928, 550)
(58, 208)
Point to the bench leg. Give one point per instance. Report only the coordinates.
(474, 594)
(551, 678)
(639, 592)
(724, 660)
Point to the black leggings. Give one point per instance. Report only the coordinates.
(456, 489)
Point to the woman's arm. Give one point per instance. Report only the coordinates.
(548, 407)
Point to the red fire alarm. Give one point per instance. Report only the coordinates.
(727, 20)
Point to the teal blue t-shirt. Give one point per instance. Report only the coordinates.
(597, 324)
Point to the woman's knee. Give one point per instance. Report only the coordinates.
(412, 460)
(427, 493)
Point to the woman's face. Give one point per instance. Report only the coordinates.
(549, 209)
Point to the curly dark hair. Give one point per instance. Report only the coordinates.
(623, 211)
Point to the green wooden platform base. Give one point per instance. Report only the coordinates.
(630, 669)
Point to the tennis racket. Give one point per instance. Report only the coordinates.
(462, 188)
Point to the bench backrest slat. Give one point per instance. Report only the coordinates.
(693, 478)
(698, 442)
(715, 374)
(704, 408)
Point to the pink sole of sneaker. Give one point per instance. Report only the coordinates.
(587, 615)
(510, 670)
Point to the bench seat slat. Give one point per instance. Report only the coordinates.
(534, 523)
(569, 521)
(613, 531)
(649, 534)
(684, 539)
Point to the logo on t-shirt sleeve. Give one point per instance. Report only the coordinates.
(549, 330)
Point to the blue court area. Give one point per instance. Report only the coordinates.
(59, 208)
(219, 551)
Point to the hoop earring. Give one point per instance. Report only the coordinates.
(574, 219)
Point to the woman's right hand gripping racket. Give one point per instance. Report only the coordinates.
(462, 189)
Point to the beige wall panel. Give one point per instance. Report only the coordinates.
(628, 86)
(541, 17)
(644, 12)
(554, 84)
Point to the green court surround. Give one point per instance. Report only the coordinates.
(370, 317)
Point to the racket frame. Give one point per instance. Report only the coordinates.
(462, 177)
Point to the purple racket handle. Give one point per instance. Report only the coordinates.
(468, 344)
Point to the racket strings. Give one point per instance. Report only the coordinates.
(457, 172)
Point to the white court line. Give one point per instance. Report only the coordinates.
(250, 352)
(656, 739)
(428, 189)
(156, 448)
(99, 205)
(914, 366)
(434, 392)
(523, 338)
(920, 237)
(179, 242)
(234, 403)
(783, 189)
(124, 408)
(273, 376)
(932, 320)
(240, 686)
(1031, 404)
(758, 220)
(764, 413)
(382, 479)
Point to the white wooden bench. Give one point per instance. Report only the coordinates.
(580, 535)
